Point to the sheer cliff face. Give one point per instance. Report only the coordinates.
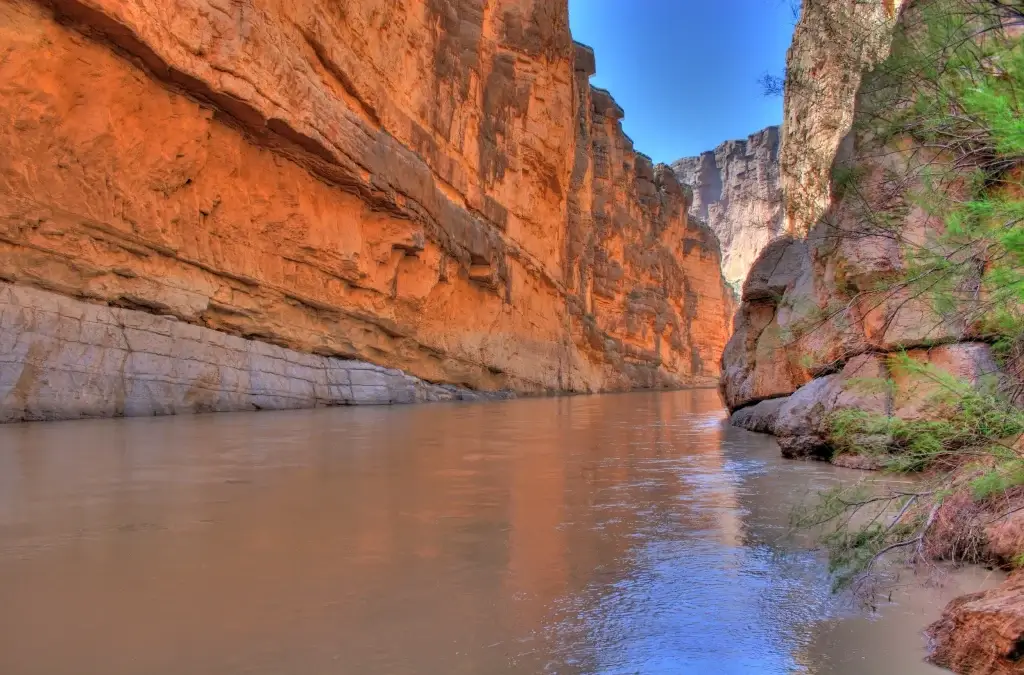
(429, 185)
(820, 311)
(834, 43)
(650, 293)
(811, 318)
(736, 191)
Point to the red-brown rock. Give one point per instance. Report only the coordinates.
(982, 633)
(427, 185)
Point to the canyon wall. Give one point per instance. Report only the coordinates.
(424, 185)
(826, 312)
(834, 44)
(813, 317)
(825, 307)
(737, 192)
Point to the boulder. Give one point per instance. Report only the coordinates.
(982, 633)
(760, 417)
(777, 270)
(802, 424)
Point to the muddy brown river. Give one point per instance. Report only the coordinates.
(630, 533)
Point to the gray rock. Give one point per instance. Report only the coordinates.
(802, 424)
(760, 417)
(801, 421)
(777, 269)
(737, 192)
(61, 358)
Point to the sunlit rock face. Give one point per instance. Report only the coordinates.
(424, 185)
(737, 192)
(834, 43)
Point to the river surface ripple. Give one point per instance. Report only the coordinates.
(632, 533)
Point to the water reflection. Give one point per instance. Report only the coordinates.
(610, 534)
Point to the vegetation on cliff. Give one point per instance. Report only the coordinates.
(934, 164)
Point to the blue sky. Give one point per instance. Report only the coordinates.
(686, 71)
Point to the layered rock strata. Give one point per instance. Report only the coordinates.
(64, 358)
(738, 193)
(804, 348)
(834, 44)
(426, 186)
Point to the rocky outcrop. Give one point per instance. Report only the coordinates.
(737, 192)
(432, 186)
(828, 321)
(63, 358)
(800, 420)
(982, 633)
(761, 361)
(816, 308)
(834, 44)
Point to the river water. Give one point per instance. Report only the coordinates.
(632, 533)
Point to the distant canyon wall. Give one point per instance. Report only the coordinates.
(737, 191)
(431, 186)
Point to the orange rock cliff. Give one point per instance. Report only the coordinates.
(219, 205)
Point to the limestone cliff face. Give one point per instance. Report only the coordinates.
(644, 295)
(737, 192)
(822, 308)
(834, 43)
(816, 314)
(428, 185)
(811, 317)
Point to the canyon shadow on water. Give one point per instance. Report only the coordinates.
(631, 533)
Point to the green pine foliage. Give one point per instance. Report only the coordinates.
(950, 102)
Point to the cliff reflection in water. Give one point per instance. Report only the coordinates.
(627, 533)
